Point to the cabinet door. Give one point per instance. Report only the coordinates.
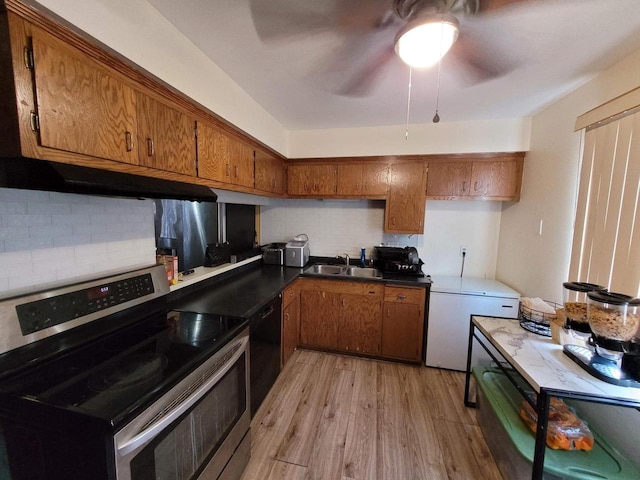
(375, 179)
(223, 158)
(242, 163)
(364, 317)
(360, 323)
(166, 137)
(319, 319)
(82, 107)
(349, 181)
(213, 154)
(449, 179)
(402, 329)
(404, 212)
(311, 180)
(269, 176)
(290, 324)
(494, 179)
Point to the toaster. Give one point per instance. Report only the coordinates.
(296, 253)
(273, 254)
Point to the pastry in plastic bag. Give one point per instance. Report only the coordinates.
(565, 430)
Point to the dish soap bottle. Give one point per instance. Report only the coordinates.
(363, 260)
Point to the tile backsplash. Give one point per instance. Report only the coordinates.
(49, 236)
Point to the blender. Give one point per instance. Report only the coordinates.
(613, 351)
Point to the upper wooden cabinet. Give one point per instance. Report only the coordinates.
(270, 173)
(363, 180)
(79, 106)
(224, 158)
(405, 205)
(448, 179)
(475, 180)
(496, 179)
(314, 180)
(166, 137)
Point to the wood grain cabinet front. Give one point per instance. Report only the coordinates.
(79, 106)
(290, 322)
(269, 173)
(342, 316)
(405, 207)
(224, 158)
(403, 323)
(362, 180)
(312, 180)
(166, 137)
(475, 180)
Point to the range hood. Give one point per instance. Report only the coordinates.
(30, 174)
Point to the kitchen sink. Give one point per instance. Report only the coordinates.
(343, 271)
(321, 269)
(363, 272)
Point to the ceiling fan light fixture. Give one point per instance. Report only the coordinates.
(425, 40)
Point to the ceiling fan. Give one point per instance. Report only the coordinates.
(420, 32)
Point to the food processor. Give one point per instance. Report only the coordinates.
(613, 350)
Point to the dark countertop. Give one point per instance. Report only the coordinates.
(243, 293)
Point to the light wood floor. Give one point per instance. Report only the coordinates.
(344, 418)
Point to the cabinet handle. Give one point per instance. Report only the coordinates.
(475, 187)
(150, 149)
(129, 141)
(388, 314)
(401, 297)
(286, 315)
(235, 171)
(357, 187)
(464, 187)
(227, 170)
(343, 303)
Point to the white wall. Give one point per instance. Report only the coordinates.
(508, 135)
(537, 265)
(338, 227)
(47, 237)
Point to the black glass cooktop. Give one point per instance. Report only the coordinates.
(116, 376)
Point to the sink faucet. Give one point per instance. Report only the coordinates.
(346, 258)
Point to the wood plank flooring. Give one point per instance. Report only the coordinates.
(334, 417)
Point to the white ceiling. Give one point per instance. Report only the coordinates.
(555, 45)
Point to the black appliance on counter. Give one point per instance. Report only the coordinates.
(398, 260)
(99, 380)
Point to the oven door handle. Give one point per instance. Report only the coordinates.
(156, 427)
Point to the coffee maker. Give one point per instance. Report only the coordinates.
(612, 352)
(398, 260)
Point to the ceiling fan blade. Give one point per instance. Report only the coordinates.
(486, 6)
(279, 20)
(363, 82)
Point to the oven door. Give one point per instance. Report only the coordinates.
(195, 429)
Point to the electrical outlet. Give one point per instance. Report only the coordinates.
(463, 250)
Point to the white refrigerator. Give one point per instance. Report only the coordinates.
(452, 302)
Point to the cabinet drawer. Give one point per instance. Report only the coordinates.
(404, 295)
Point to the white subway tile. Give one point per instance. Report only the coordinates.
(25, 220)
(48, 208)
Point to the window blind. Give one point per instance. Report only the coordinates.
(606, 239)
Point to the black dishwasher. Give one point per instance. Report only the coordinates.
(265, 335)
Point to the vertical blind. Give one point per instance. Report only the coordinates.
(606, 238)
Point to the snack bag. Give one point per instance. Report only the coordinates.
(565, 430)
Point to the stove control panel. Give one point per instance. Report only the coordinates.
(48, 312)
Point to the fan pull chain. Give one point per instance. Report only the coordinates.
(406, 132)
(436, 117)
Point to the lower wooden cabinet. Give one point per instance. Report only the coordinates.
(403, 323)
(362, 317)
(290, 322)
